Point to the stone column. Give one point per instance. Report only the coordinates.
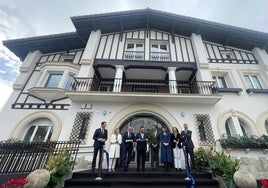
(87, 60)
(88, 56)
(201, 58)
(172, 80)
(262, 57)
(118, 78)
(26, 68)
(236, 125)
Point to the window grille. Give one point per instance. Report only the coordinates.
(204, 129)
(80, 127)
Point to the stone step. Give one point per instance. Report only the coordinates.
(132, 179)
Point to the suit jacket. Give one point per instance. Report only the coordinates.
(177, 138)
(142, 143)
(186, 139)
(125, 139)
(98, 134)
(155, 140)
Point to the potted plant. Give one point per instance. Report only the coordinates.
(60, 168)
(220, 164)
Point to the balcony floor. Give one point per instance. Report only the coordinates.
(144, 97)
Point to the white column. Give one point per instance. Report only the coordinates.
(118, 78)
(201, 58)
(43, 77)
(237, 126)
(63, 79)
(88, 56)
(172, 80)
(26, 68)
(147, 47)
(262, 57)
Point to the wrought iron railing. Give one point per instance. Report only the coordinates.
(21, 157)
(147, 86)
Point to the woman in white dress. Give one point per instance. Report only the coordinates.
(114, 152)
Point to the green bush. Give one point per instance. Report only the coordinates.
(245, 142)
(219, 163)
(60, 167)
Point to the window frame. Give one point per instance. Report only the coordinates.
(252, 82)
(49, 79)
(36, 124)
(133, 53)
(219, 82)
(159, 55)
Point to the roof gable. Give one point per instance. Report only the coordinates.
(140, 19)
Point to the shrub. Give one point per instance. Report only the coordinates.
(219, 163)
(245, 142)
(60, 167)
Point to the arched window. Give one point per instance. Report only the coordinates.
(231, 130)
(39, 130)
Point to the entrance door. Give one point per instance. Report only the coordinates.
(146, 120)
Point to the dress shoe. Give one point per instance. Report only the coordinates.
(179, 169)
(93, 170)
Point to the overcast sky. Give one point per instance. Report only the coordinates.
(27, 18)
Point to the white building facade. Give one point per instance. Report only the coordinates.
(136, 68)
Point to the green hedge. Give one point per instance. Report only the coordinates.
(245, 142)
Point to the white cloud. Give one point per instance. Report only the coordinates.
(4, 94)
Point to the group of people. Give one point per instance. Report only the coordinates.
(168, 144)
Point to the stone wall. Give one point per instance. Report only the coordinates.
(258, 167)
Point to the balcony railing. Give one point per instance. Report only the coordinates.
(18, 157)
(139, 56)
(159, 56)
(146, 86)
(133, 55)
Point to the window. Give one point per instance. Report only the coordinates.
(204, 129)
(80, 127)
(53, 80)
(83, 129)
(220, 81)
(39, 130)
(266, 126)
(232, 130)
(159, 52)
(69, 82)
(134, 51)
(253, 81)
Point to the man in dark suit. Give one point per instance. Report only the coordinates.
(187, 143)
(128, 138)
(154, 140)
(141, 139)
(100, 136)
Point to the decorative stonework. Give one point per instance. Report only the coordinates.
(257, 167)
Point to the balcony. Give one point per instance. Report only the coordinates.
(134, 55)
(159, 56)
(135, 90)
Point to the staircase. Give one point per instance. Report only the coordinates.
(133, 179)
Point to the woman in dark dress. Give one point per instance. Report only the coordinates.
(166, 156)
